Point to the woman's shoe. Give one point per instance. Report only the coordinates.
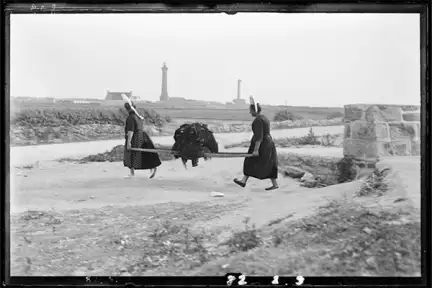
(238, 182)
(153, 173)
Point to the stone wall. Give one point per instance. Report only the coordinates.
(373, 131)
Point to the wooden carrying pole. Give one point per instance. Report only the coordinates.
(210, 155)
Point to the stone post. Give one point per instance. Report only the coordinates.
(374, 131)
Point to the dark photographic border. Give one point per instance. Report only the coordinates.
(27, 7)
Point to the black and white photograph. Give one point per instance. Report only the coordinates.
(203, 144)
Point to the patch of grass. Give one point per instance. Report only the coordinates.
(244, 240)
(172, 245)
(326, 140)
(28, 166)
(279, 220)
(334, 115)
(341, 239)
(309, 139)
(286, 115)
(58, 115)
(141, 240)
(375, 184)
(67, 159)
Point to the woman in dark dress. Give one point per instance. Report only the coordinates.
(135, 137)
(264, 163)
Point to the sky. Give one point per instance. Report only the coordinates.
(294, 59)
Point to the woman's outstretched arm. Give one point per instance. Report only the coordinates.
(258, 129)
(130, 127)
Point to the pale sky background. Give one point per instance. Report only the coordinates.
(304, 59)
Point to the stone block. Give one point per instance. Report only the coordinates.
(410, 108)
(384, 148)
(293, 172)
(373, 131)
(411, 117)
(383, 113)
(360, 148)
(401, 147)
(415, 148)
(403, 130)
(353, 113)
(363, 130)
(347, 130)
(371, 150)
(309, 183)
(382, 131)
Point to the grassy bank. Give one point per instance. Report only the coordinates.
(73, 124)
(327, 140)
(341, 239)
(44, 123)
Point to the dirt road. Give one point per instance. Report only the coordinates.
(64, 186)
(26, 155)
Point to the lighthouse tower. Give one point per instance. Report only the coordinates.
(164, 94)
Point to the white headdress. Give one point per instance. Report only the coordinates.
(127, 100)
(252, 102)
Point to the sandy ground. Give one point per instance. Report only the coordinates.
(57, 186)
(61, 186)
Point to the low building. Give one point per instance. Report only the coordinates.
(117, 96)
(81, 102)
(239, 102)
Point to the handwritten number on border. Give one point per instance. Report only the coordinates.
(231, 279)
(300, 280)
(242, 279)
(34, 7)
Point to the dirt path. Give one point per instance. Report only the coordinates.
(39, 153)
(66, 186)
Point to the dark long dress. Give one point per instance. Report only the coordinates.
(140, 139)
(264, 166)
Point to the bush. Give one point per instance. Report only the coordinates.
(328, 140)
(309, 139)
(335, 115)
(56, 117)
(374, 184)
(286, 115)
(244, 240)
